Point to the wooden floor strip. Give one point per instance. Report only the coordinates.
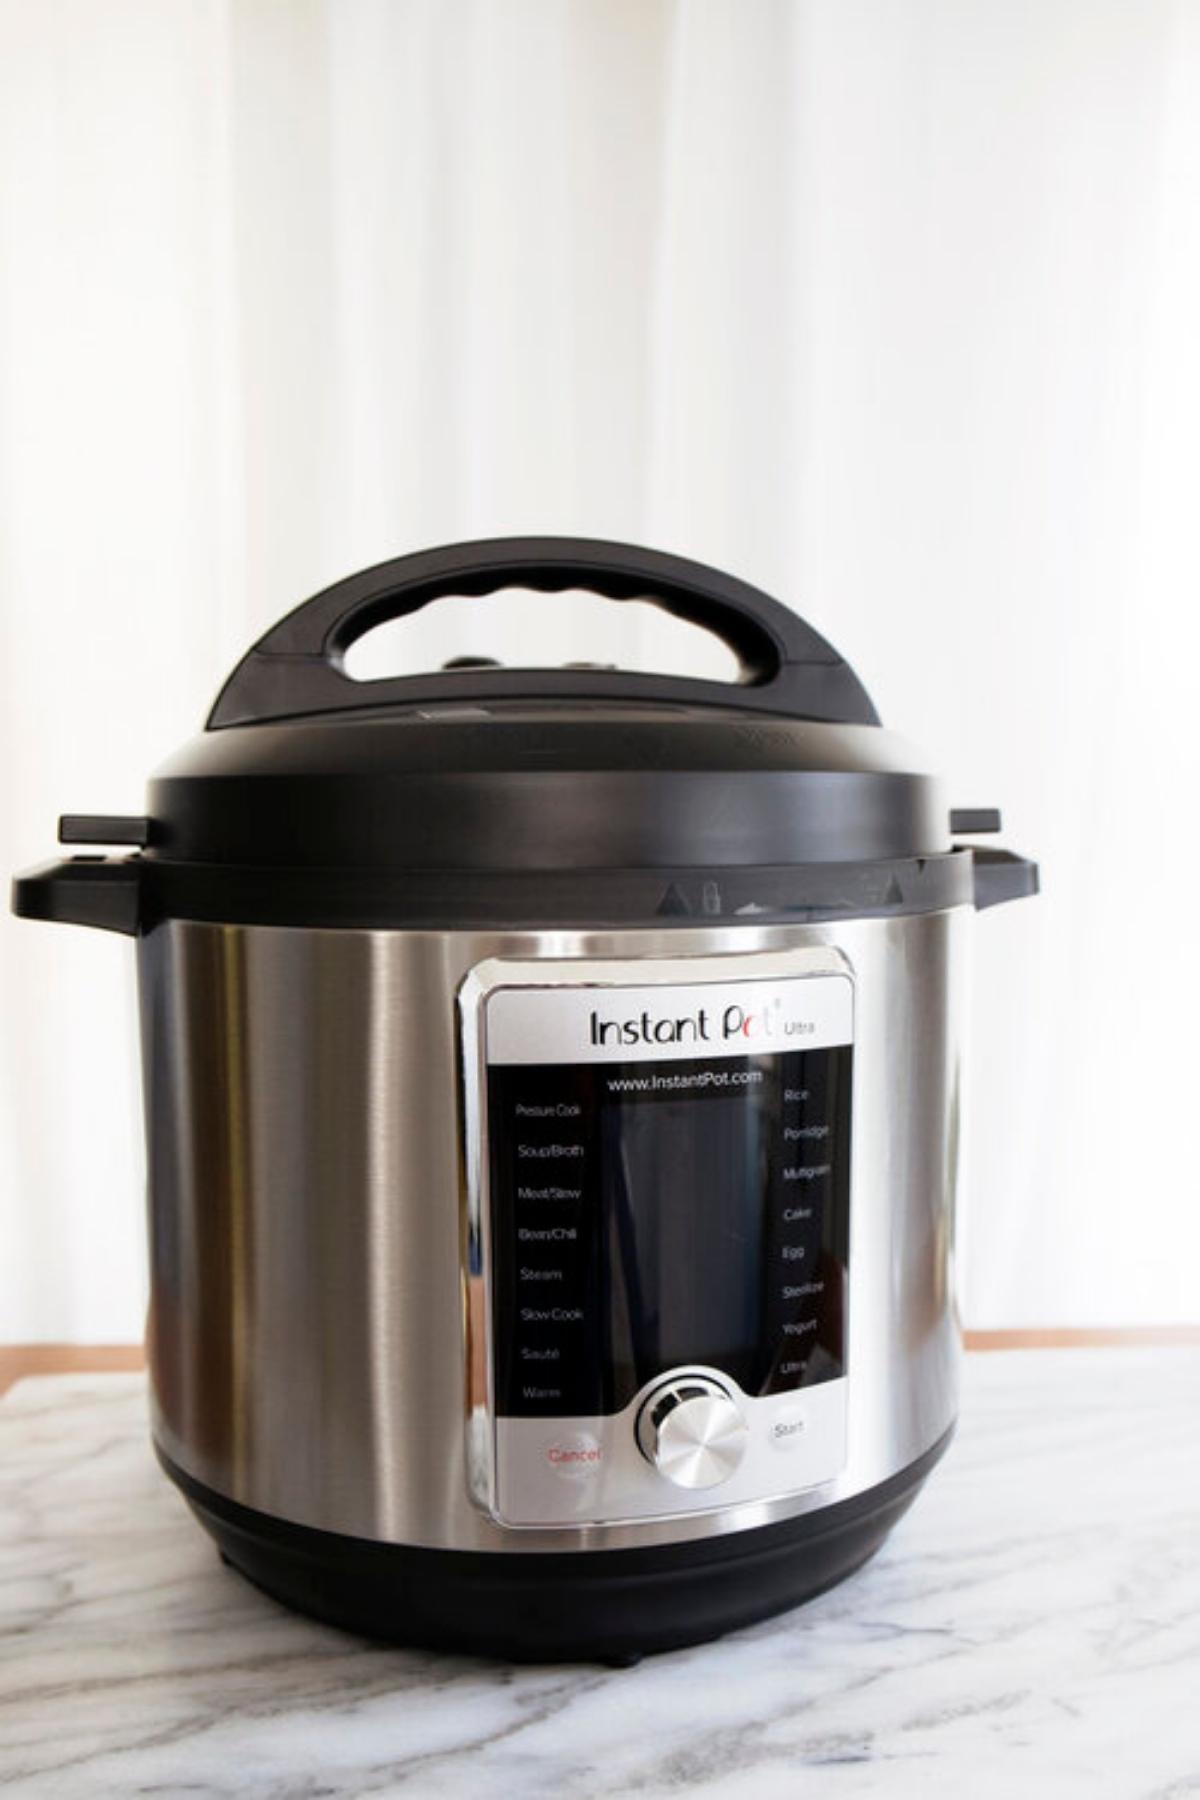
(1081, 1337)
(19, 1360)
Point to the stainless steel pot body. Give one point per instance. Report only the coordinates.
(317, 1331)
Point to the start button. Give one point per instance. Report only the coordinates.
(575, 1455)
(786, 1429)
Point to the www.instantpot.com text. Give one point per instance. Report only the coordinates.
(696, 1078)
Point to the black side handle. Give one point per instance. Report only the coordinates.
(103, 828)
(1001, 875)
(105, 891)
(971, 820)
(297, 669)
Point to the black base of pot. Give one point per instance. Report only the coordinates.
(573, 1606)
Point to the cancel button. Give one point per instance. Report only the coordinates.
(786, 1428)
(576, 1455)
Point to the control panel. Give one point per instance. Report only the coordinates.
(665, 1202)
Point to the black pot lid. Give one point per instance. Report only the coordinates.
(501, 798)
(505, 769)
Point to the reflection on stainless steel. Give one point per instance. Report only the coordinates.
(316, 1292)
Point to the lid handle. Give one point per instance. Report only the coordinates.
(297, 669)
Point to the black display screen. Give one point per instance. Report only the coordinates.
(650, 1215)
(684, 1278)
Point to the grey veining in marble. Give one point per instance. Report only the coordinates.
(1032, 1629)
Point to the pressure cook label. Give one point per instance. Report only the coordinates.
(668, 1024)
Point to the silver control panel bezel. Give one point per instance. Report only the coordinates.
(534, 1473)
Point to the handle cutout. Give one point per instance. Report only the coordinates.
(297, 669)
(523, 628)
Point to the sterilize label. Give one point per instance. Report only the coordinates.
(573, 1025)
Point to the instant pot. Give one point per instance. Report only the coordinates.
(552, 1091)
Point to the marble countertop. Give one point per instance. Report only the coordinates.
(1032, 1628)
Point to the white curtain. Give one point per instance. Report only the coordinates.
(887, 305)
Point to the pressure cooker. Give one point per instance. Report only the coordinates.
(552, 1097)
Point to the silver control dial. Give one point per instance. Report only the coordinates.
(693, 1432)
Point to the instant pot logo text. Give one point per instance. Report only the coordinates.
(750, 1025)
